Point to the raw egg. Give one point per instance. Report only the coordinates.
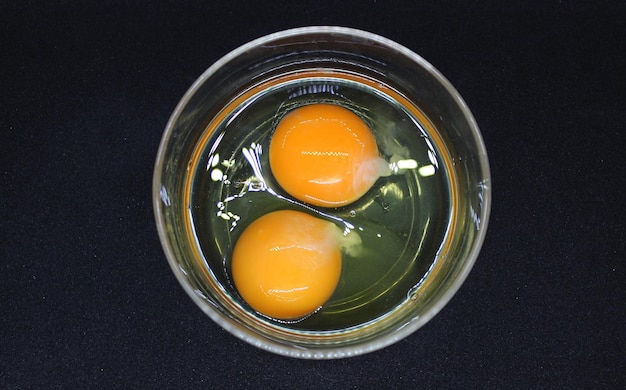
(325, 155)
(286, 264)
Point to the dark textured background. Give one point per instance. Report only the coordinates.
(87, 298)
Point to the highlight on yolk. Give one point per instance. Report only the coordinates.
(325, 155)
(286, 264)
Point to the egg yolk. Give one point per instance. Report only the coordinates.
(286, 264)
(325, 155)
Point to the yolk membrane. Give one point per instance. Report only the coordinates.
(287, 264)
(325, 155)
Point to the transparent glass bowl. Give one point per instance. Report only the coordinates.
(355, 52)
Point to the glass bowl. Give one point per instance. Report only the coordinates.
(420, 227)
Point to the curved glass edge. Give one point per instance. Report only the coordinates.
(326, 352)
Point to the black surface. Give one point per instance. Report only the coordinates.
(87, 298)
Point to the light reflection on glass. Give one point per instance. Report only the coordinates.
(426, 170)
(164, 196)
